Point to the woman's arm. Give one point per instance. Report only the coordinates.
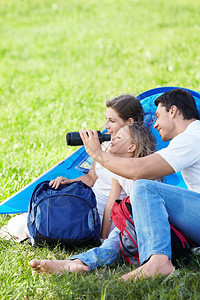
(114, 195)
(88, 178)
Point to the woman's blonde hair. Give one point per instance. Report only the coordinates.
(143, 139)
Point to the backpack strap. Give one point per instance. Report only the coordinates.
(121, 215)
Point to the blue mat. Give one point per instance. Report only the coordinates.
(79, 163)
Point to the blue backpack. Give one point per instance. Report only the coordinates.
(67, 215)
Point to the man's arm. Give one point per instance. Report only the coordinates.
(150, 167)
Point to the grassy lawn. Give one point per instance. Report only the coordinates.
(59, 62)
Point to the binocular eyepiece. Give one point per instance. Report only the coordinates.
(73, 138)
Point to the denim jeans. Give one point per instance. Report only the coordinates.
(154, 205)
(108, 253)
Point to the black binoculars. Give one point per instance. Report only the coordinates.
(73, 138)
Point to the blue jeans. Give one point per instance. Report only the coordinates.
(108, 253)
(154, 205)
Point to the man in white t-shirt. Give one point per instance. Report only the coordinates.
(156, 204)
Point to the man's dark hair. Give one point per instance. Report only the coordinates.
(183, 100)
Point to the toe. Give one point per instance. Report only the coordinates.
(34, 263)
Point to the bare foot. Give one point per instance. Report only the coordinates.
(58, 266)
(156, 265)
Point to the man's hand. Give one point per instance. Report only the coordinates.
(91, 142)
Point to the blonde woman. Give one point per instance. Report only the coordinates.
(130, 141)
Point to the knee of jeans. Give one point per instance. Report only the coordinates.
(138, 189)
(140, 184)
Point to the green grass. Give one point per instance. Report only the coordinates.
(59, 62)
(17, 281)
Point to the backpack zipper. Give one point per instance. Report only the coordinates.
(63, 195)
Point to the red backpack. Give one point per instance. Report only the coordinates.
(122, 217)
